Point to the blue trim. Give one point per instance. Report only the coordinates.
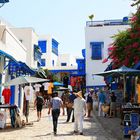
(7, 55)
(19, 97)
(97, 86)
(56, 71)
(12, 99)
(4, 1)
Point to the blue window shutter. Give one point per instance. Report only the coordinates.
(43, 63)
(12, 98)
(63, 64)
(43, 45)
(53, 62)
(96, 50)
(55, 47)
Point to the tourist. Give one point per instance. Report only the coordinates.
(112, 105)
(38, 104)
(55, 104)
(101, 102)
(95, 101)
(79, 112)
(70, 108)
(89, 102)
(65, 98)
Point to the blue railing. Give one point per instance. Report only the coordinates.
(107, 23)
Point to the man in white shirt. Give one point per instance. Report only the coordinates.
(79, 112)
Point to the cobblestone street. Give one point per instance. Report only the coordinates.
(42, 130)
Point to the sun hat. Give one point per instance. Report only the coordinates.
(92, 90)
(79, 94)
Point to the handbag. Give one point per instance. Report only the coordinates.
(105, 108)
(69, 105)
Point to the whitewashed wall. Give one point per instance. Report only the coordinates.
(11, 45)
(28, 37)
(98, 34)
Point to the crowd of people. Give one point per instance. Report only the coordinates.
(76, 105)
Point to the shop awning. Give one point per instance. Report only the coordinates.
(7, 56)
(20, 68)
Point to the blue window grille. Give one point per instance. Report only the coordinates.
(43, 62)
(43, 45)
(55, 47)
(53, 62)
(63, 64)
(96, 50)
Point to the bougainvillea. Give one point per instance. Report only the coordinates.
(125, 49)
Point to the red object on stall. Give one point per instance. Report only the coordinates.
(73, 81)
(6, 93)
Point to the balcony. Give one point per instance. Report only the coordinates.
(106, 23)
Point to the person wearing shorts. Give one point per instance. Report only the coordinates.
(39, 105)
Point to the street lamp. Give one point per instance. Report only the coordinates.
(2, 2)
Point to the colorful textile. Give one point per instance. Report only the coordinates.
(46, 85)
(28, 90)
(37, 87)
(50, 88)
(6, 94)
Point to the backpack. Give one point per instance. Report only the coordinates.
(40, 100)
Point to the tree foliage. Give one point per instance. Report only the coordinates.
(125, 49)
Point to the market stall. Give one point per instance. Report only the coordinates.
(131, 117)
(4, 111)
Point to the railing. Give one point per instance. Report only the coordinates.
(106, 23)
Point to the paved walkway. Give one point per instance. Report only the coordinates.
(42, 130)
(112, 126)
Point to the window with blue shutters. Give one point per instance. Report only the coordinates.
(53, 62)
(63, 64)
(55, 47)
(43, 62)
(43, 45)
(96, 50)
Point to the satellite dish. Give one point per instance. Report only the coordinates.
(125, 19)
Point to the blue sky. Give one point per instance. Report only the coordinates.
(63, 19)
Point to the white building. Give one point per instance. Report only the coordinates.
(97, 40)
(29, 38)
(23, 44)
(10, 49)
(51, 58)
(49, 48)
